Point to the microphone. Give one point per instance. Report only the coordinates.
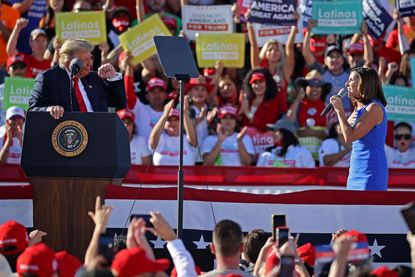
(75, 65)
(329, 107)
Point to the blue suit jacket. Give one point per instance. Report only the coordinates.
(52, 88)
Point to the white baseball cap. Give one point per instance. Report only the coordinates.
(15, 110)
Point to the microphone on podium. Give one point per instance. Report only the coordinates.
(329, 107)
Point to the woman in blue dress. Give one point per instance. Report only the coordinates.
(366, 129)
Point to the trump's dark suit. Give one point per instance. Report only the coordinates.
(52, 89)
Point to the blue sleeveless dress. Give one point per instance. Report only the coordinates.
(368, 164)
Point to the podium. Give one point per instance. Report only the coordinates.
(69, 162)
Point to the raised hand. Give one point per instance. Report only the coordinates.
(211, 114)
(106, 71)
(21, 23)
(242, 133)
(161, 228)
(101, 214)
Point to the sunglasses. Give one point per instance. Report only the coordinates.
(406, 137)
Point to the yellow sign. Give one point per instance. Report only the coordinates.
(229, 48)
(69, 138)
(139, 40)
(82, 25)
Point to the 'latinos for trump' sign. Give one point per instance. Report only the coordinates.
(401, 103)
(406, 7)
(337, 17)
(276, 12)
(83, 25)
(376, 17)
(229, 49)
(139, 40)
(207, 19)
(17, 92)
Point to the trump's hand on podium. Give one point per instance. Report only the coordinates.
(107, 71)
(55, 111)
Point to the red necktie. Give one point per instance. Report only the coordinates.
(78, 95)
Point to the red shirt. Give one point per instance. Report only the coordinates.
(34, 66)
(311, 110)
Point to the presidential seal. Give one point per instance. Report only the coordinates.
(69, 138)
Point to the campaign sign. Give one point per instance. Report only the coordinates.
(306, 11)
(83, 25)
(207, 19)
(229, 49)
(337, 17)
(260, 140)
(17, 92)
(406, 7)
(376, 17)
(401, 103)
(275, 12)
(139, 40)
(265, 32)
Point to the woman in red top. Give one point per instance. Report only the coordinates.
(308, 105)
(261, 103)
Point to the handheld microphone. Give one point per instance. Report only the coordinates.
(75, 65)
(329, 107)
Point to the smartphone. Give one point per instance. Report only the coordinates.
(278, 220)
(282, 234)
(106, 243)
(408, 213)
(146, 217)
(286, 266)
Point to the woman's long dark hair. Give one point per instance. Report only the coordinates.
(271, 86)
(287, 140)
(370, 86)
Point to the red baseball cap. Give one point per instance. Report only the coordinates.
(359, 237)
(227, 110)
(307, 253)
(156, 82)
(198, 82)
(258, 76)
(13, 235)
(134, 261)
(38, 259)
(384, 271)
(67, 264)
(18, 58)
(318, 44)
(209, 71)
(126, 114)
(356, 48)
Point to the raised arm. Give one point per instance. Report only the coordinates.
(289, 51)
(139, 8)
(11, 47)
(188, 125)
(24, 6)
(158, 128)
(308, 55)
(367, 48)
(246, 158)
(254, 46)
(293, 110)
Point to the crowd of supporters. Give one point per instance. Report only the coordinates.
(276, 98)
(255, 253)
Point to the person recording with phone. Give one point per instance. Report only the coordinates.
(366, 129)
(92, 91)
